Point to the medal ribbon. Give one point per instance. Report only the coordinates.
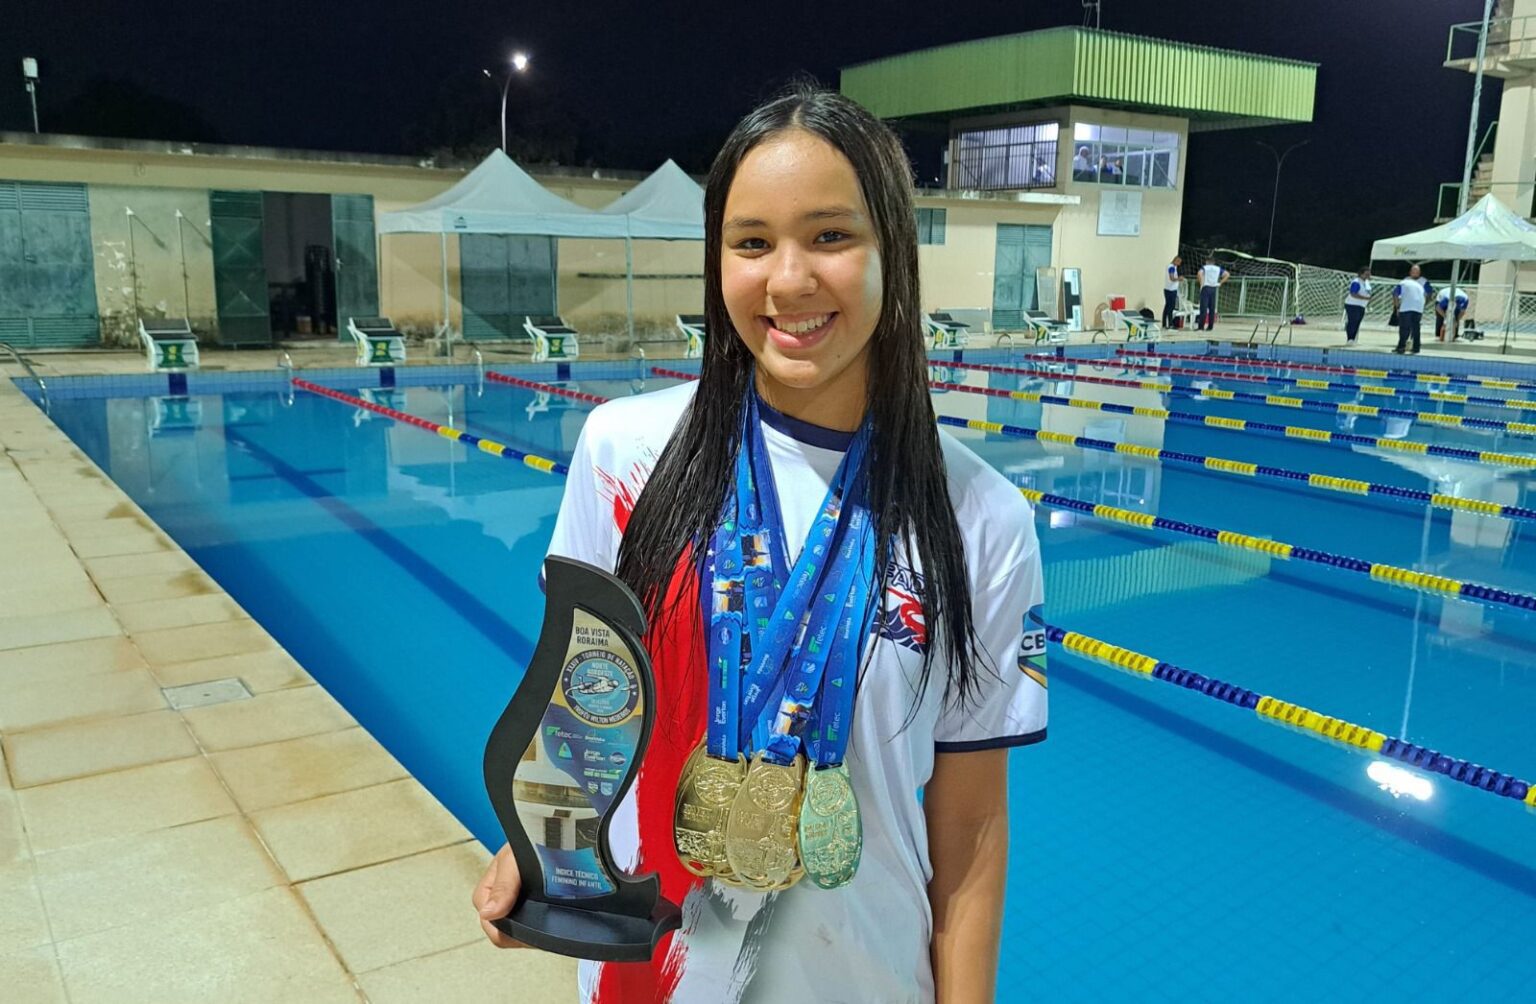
(773, 636)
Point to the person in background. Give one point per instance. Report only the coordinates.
(1408, 297)
(1442, 304)
(1082, 166)
(1171, 291)
(1355, 302)
(1212, 276)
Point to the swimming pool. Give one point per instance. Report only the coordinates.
(1164, 844)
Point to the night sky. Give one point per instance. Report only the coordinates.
(629, 84)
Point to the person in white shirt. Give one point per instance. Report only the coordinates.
(1171, 291)
(1355, 302)
(1082, 166)
(1443, 304)
(1212, 277)
(819, 366)
(1408, 297)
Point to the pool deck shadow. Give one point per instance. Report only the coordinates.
(156, 847)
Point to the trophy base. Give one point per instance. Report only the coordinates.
(590, 934)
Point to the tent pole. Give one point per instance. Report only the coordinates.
(1509, 308)
(629, 280)
(443, 238)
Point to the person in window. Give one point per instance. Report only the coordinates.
(1109, 171)
(1082, 166)
(1045, 173)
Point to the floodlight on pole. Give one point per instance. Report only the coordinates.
(517, 63)
(29, 74)
(1274, 200)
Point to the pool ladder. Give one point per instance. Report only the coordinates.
(42, 385)
(285, 362)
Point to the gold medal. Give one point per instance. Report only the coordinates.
(831, 831)
(761, 828)
(705, 791)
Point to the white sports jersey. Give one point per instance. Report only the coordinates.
(1171, 278)
(1359, 294)
(1410, 293)
(1210, 275)
(868, 941)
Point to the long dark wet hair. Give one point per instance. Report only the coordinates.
(909, 494)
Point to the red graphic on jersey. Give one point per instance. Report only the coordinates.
(676, 646)
(622, 492)
(902, 619)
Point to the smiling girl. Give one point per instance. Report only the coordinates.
(845, 605)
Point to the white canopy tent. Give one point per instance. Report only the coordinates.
(667, 206)
(498, 197)
(1489, 231)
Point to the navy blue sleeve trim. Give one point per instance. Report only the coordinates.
(999, 743)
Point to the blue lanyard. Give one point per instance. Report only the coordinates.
(774, 632)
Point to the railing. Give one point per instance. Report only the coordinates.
(1509, 38)
(42, 385)
(1454, 187)
(1008, 335)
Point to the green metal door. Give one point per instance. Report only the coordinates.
(504, 279)
(239, 269)
(1020, 250)
(357, 270)
(47, 271)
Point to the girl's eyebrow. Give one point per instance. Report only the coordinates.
(825, 213)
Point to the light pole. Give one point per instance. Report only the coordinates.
(518, 63)
(29, 74)
(1274, 201)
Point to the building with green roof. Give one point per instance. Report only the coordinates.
(1067, 148)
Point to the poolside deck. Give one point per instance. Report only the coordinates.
(156, 846)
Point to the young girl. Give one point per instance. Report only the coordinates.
(805, 465)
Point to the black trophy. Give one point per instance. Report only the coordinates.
(560, 759)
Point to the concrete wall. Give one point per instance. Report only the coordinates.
(152, 263)
(1129, 266)
(957, 274)
(1132, 266)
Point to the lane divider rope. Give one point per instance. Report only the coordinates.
(490, 446)
(1380, 571)
(575, 395)
(1239, 468)
(1426, 582)
(1165, 364)
(1493, 383)
(1335, 729)
(1274, 709)
(1523, 429)
(1490, 457)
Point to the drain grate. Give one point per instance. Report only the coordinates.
(200, 695)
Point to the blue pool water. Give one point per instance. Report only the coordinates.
(1164, 845)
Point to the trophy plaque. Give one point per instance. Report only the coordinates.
(559, 761)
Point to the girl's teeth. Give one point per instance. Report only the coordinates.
(802, 327)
